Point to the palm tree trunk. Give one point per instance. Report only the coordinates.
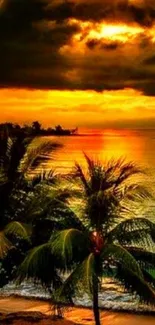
(95, 301)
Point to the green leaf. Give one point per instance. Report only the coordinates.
(145, 257)
(35, 156)
(136, 284)
(79, 173)
(129, 272)
(122, 256)
(40, 265)
(18, 229)
(79, 281)
(134, 231)
(5, 245)
(70, 245)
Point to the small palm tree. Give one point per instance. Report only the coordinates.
(106, 240)
(44, 210)
(46, 207)
(48, 212)
(18, 159)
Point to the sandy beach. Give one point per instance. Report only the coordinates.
(18, 311)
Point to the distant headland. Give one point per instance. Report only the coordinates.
(36, 129)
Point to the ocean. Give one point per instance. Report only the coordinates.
(102, 145)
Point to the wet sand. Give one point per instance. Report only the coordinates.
(71, 316)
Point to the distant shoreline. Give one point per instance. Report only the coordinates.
(35, 129)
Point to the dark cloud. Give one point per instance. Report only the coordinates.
(142, 12)
(109, 46)
(29, 47)
(150, 60)
(143, 16)
(92, 43)
(34, 34)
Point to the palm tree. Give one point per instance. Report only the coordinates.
(110, 233)
(47, 213)
(106, 240)
(34, 204)
(18, 159)
(44, 209)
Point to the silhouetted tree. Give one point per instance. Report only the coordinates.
(58, 129)
(17, 160)
(36, 126)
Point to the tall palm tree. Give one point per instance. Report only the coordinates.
(107, 240)
(18, 158)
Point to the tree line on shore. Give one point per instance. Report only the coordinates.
(36, 129)
(43, 235)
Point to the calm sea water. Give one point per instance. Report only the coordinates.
(133, 145)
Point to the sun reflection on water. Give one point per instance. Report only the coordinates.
(102, 145)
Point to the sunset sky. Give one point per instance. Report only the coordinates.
(86, 63)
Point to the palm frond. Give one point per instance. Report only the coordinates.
(107, 194)
(129, 272)
(126, 171)
(116, 172)
(40, 266)
(98, 181)
(120, 255)
(79, 173)
(136, 192)
(135, 284)
(63, 194)
(112, 166)
(134, 230)
(70, 245)
(9, 147)
(79, 281)
(46, 200)
(149, 276)
(48, 177)
(18, 229)
(6, 144)
(143, 256)
(71, 219)
(36, 156)
(5, 245)
(18, 150)
(90, 163)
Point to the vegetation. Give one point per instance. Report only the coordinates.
(105, 241)
(18, 192)
(40, 230)
(36, 129)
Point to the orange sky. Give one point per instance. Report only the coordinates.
(82, 108)
(107, 64)
(75, 108)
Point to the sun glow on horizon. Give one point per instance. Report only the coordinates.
(75, 108)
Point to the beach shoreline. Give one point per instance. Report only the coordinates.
(23, 311)
(135, 311)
